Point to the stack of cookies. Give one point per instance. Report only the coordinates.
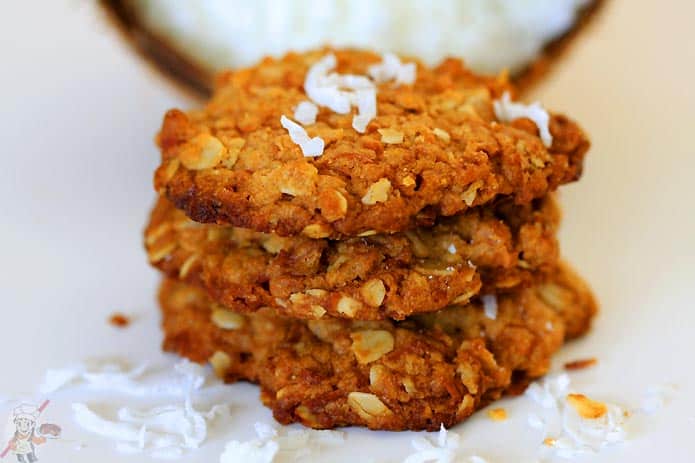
(370, 240)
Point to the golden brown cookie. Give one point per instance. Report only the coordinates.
(416, 374)
(497, 247)
(435, 148)
(571, 297)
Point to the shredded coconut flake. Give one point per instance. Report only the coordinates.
(254, 451)
(451, 249)
(365, 100)
(311, 147)
(656, 398)
(574, 435)
(305, 113)
(391, 68)
(328, 437)
(547, 391)
(589, 435)
(164, 431)
(536, 422)
(99, 374)
(296, 444)
(506, 111)
(340, 92)
(115, 375)
(443, 450)
(490, 305)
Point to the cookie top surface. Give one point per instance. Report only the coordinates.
(435, 147)
(489, 249)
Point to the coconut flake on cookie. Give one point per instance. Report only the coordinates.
(305, 113)
(392, 68)
(311, 147)
(490, 306)
(365, 100)
(340, 92)
(506, 111)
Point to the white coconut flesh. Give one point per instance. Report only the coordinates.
(490, 35)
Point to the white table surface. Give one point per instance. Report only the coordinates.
(78, 114)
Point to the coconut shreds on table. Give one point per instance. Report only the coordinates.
(442, 450)
(391, 68)
(269, 444)
(117, 376)
(164, 431)
(340, 92)
(305, 113)
(311, 147)
(254, 451)
(656, 398)
(490, 305)
(111, 373)
(506, 111)
(576, 432)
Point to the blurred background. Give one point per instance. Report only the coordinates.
(80, 108)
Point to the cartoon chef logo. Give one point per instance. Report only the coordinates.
(27, 436)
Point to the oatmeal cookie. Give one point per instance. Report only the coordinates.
(497, 247)
(570, 296)
(434, 148)
(416, 374)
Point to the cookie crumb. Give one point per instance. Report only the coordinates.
(119, 320)
(497, 414)
(581, 364)
(586, 407)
